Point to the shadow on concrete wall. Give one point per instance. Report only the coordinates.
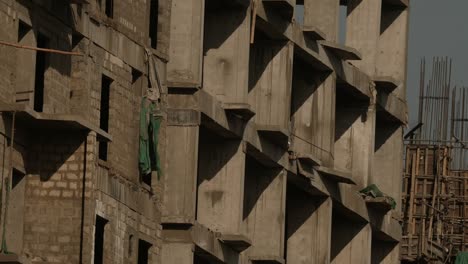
(257, 179)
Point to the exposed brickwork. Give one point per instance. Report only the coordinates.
(66, 185)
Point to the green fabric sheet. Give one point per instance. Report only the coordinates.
(462, 258)
(374, 191)
(149, 132)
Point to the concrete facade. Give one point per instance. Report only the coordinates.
(269, 130)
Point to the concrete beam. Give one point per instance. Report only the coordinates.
(385, 84)
(311, 51)
(27, 117)
(400, 3)
(385, 227)
(214, 116)
(186, 44)
(347, 199)
(341, 51)
(199, 239)
(335, 175)
(180, 183)
(394, 106)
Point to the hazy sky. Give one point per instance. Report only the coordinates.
(437, 28)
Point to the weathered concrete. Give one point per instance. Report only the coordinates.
(268, 131)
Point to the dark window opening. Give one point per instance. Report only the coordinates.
(143, 251)
(99, 240)
(110, 8)
(153, 23)
(76, 39)
(130, 245)
(41, 64)
(18, 176)
(146, 178)
(137, 82)
(104, 114)
(103, 149)
(23, 29)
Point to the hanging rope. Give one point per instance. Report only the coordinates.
(40, 49)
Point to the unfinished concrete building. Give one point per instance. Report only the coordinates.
(262, 127)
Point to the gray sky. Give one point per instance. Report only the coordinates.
(437, 28)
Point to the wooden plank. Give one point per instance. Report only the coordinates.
(433, 202)
(411, 202)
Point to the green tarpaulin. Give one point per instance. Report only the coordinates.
(374, 191)
(149, 131)
(462, 258)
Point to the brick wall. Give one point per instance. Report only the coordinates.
(66, 185)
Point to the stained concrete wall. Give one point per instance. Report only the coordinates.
(263, 212)
(270, 73)
(313, 92)
(220, 183)
(392, 45)
(349, 240)
(226, 53)
(387, 146)
(353, 149)
(308, 229)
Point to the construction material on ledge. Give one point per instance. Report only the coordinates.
(40, 49)
(374, 196)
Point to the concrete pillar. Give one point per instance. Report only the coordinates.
(26, 61)
(270, 82)
(393, 42)
(226, 53)
(181, 174)
(363, 31)
(354, 141)
(184, 68)
(264, 212)
(351, 241)
(387, 165)
(324, 15)
(308, 230)
(313, 113)
(177, 252)
(220, 183)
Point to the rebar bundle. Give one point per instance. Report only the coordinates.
(434, 101)
(459, 128)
